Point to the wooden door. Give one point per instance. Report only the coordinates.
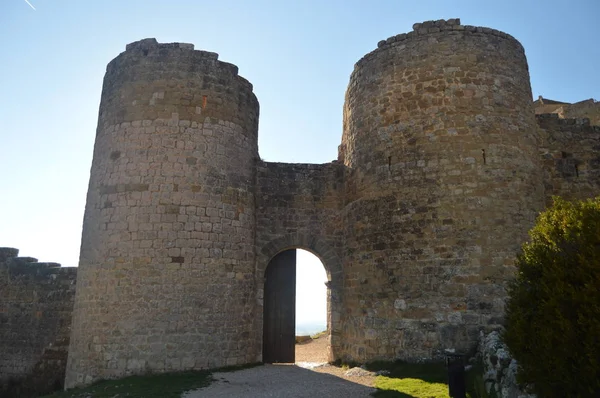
(279, 317)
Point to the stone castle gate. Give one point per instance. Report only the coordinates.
(438, 179)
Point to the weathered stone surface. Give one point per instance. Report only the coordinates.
(570, 152)
(438, 130)
(587, 109)
(36, 303)
(299, 205)
(167, 267)
(500, 369)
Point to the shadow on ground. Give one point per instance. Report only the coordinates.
(279, 381)
(391, 394)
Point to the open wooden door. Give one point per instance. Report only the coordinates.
(279, 317)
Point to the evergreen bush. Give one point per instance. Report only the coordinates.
(553, 310)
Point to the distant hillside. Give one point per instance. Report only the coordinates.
(307, 328)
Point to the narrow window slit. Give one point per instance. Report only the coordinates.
(483, 155)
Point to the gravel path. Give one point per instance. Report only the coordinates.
(287, 381)
(312, 378)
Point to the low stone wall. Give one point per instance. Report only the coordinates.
(35, 320)
(500, 369)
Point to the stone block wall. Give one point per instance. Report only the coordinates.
(36, 304)
(166, 271)
(570, 152)
(444, 181)
(299, 206)
(588, 109)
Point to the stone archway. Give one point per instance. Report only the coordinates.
(333, 267)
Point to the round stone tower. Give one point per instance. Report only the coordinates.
(441, 142)
(166, 273)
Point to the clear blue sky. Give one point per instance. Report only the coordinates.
(298, 55)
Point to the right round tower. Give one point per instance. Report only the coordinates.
(444, 183)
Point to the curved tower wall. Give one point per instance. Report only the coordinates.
(440, 139)
(166, 271)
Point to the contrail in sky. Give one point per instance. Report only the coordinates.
(30, 5)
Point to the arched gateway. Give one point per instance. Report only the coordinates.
(438, 179)
(279, 294)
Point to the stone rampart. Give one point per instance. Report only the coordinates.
(588, 109)
(570, 151)
(36, 303)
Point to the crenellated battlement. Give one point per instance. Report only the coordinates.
(139, 85)
(151, 48)
(546, 120)
(152, 43)
(36, 303)
(437, 28)
(7, 253)
(586, 109)
(16, 266)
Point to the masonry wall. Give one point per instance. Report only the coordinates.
(570, 152)
(35, 318)
(588, 109)
(444, 182)
(298, 206)
(166, 273)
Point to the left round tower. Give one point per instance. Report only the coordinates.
(165, 278)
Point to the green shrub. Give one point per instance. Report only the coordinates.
(553, 310)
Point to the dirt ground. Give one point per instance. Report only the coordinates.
(310, 377)
(315, 352)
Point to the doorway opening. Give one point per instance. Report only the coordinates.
(296, 308)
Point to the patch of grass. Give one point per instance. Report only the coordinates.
(163, 385)
(167, 385)
(408, 387)
(423, 380)
(158, 385)
(414, 380)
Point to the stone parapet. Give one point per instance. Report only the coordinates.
(569, 150)
(438, 27)
(36, 304)
(170, 66)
